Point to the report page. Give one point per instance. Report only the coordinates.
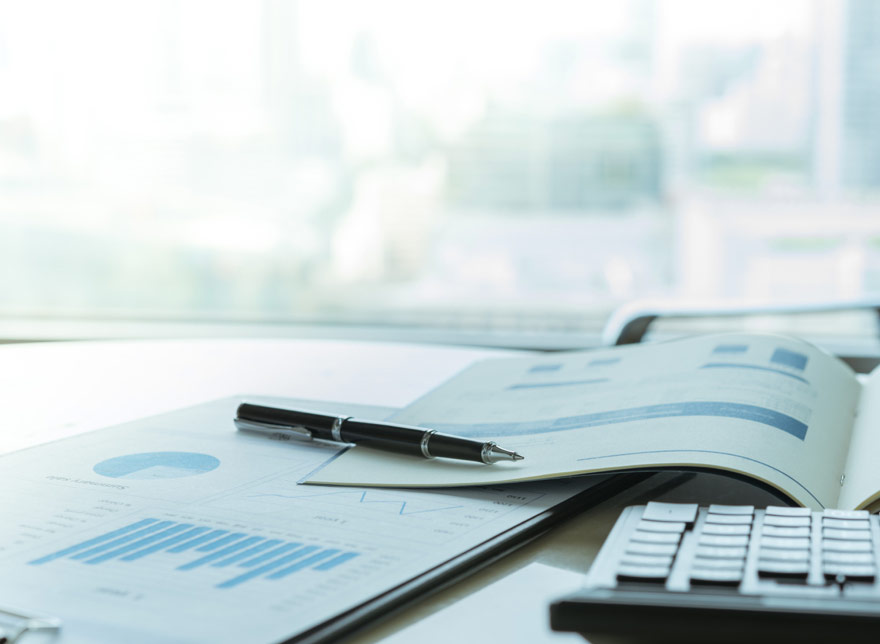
(772, 407)
(860, 484)
(177, 528)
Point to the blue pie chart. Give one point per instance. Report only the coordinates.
(157, 465)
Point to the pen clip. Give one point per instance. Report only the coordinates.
(14, 624)
(296, 431)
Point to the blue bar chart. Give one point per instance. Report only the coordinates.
(246, 556)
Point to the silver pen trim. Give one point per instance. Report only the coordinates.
(424, 443)
(336, 430)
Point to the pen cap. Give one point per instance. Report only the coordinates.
(320, 424)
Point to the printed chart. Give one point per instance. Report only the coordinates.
(247, 556)
(157, 465)
(423, 517)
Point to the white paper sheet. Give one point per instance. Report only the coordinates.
(178, 528)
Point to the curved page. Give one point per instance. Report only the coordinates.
(772, 408)
(861, 481)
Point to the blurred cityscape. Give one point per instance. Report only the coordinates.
(328, 160)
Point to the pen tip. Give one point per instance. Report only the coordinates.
(496, 454)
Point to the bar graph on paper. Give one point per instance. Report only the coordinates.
(245, 556)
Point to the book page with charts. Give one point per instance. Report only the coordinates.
(772, 408)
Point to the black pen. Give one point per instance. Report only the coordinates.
(416, 441)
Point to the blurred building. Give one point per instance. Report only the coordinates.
(861, 96)
(565, 163)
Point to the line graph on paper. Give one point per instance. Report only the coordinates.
(391, 503)
(424, 516)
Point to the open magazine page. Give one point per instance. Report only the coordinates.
(861, 484)
(771, 407)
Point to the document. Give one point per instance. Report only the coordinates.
(774, 409)
(177, 528)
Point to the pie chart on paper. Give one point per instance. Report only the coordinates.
(157, 465)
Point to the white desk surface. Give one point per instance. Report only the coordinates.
(50, 390)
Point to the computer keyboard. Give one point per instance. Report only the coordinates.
(679, 572)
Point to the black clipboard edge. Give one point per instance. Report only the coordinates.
(390, 602)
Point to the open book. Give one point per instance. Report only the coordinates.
(771, 408)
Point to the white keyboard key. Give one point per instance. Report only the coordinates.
(685, 512)
(780, 511)
(748, 510)
(846, 514)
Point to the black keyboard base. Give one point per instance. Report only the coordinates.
(625, 619)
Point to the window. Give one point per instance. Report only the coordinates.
(450, 162)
